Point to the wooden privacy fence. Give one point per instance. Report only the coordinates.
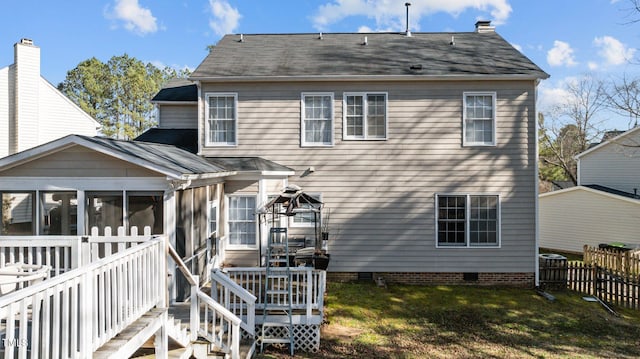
(611, 275)
(617, 260)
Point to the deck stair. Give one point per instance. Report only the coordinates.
(278, 296)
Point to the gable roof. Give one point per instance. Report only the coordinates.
(606, 142)
(340, 55)
(177, 90)
(596, 189)
(165, 159)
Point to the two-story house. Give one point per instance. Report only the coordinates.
(423, 147)
(32, 111)
(605, 205)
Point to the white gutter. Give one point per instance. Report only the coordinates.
(335, 78)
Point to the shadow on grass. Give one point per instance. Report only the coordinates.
(440, 321)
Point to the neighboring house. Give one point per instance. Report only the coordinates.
(422, 147)
(32, 111)
(605, 206)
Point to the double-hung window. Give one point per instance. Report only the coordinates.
(221, 119)
(467, 220)
(317, 119)
(242, 221)
(365, 116)
(479, 119)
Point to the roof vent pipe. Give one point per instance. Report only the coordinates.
(241, 38)
(407, 32)
(453, 41)
(320, 37)
(364, 42)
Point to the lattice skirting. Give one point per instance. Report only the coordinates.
(306, 337)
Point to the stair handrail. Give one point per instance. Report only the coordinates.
(217, 276)
(182, 266)
(232, 345)
(199, 297)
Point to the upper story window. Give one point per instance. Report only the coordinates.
(479, 119)
(365, 116)
(221, 119)
(467, 220)
(317, 119)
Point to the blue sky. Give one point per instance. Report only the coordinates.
(567, 38)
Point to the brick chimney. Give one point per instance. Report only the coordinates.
(23, 125)
(483, 26)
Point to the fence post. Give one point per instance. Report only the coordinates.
(85, 251)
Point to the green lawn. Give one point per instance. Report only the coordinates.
(365, 321)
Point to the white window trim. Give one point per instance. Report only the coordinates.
(292, 222)
(494, 97)
(207, 141)
(304, 143)
(230, 246)
(365, 136)
(467, 244)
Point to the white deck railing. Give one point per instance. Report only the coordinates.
(74, 313)
(308, 286)
(210, 319)
(236, 299)
(64, 253)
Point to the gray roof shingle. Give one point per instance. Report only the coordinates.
(170, 157)
(344, 55)
(177, 90)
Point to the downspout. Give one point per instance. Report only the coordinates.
(536, 191)
(201, 118)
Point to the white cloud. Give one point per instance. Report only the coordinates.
(561, 54)
(225, 18)
(517, 47)
(593, 66)
(391, 14)
(613, 51)
(364, 28)
(551, 95)
(136, 18)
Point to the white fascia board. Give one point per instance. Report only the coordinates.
(591, 190)
(83, 183)
(372, 78)
(167, 102)
(210, 175)
(71, 140)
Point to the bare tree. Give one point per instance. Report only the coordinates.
(574, 125)
(624, 97)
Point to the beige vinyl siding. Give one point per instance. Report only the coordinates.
(613, 165)
(78, 161)
(572, 218)
(178, 116)
(381, 193)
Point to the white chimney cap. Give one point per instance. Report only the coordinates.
(484, 26)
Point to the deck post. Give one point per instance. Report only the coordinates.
(195, 312)
(309, 299)
(161, 342)
(85, 251)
